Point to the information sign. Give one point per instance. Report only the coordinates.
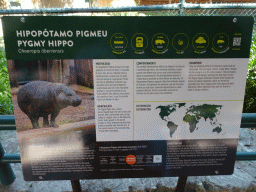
(125, 97)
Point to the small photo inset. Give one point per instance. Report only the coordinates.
(51, 93)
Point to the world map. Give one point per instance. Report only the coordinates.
(190, 114)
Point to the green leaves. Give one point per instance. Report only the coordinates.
(5, 91)
(250, 90)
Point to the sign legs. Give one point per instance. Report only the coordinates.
(76, 186)
(181, 184)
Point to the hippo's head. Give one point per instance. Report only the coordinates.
(65, 96)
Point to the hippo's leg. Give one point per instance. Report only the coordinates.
(37, 118)
(53, 116)
(33, 116)
(34, 122)
(46, 122)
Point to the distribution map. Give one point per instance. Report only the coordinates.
(190, 114)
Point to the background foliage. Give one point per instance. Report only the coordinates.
(52, 3)
(5, 91)
(250, 90)
(2, 4)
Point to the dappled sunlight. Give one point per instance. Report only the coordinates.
(123, 3)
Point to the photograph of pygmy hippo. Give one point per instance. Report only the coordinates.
(41, 98)
(51, 93)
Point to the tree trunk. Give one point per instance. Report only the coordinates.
(84, 72)
(54, 71)
(42, 67)
(66, 71)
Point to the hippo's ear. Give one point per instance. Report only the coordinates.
(59, 90)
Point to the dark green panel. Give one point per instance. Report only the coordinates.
(189, 37)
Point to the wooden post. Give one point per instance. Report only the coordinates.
(181, 184)
(76, 186)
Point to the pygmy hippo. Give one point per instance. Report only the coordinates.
(40, 99)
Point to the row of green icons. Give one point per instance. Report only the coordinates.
(160, 42)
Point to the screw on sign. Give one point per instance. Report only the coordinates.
(130, 159)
